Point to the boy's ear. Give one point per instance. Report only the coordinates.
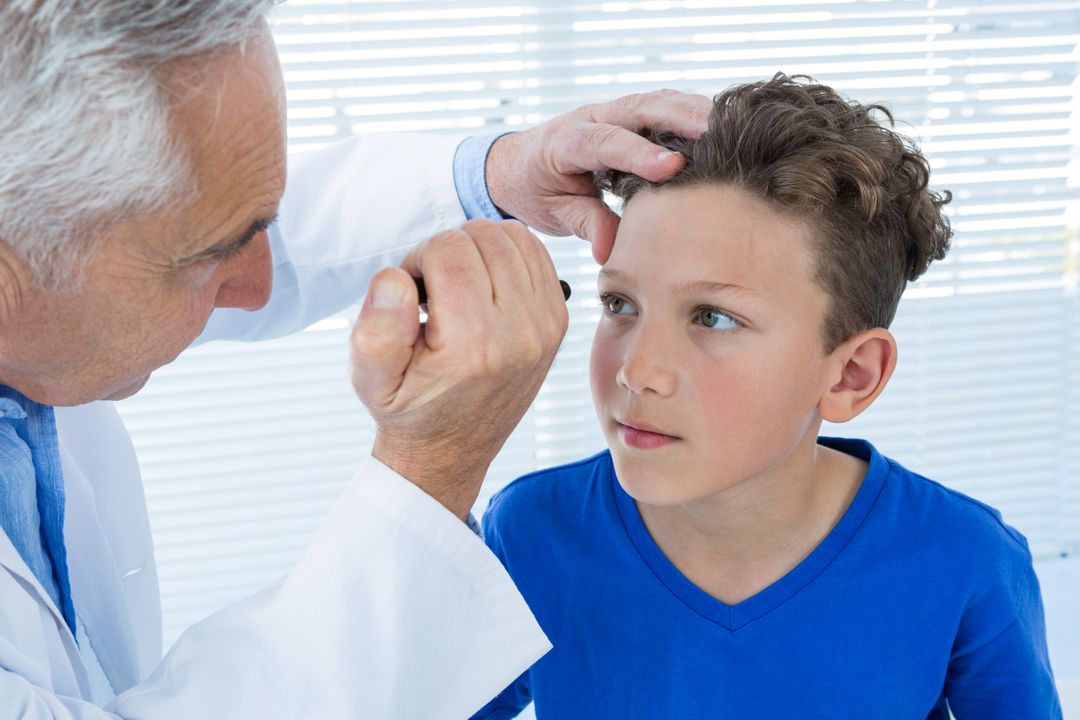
(856, 373)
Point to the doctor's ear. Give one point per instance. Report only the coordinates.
(856, 373)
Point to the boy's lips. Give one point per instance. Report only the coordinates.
(641, 436)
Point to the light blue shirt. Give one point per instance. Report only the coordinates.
(470, 180)
(32, 493)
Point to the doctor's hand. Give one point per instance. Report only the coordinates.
(544, 175)
(445, 395)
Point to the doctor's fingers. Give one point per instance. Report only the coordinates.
(460, 296)
(452, 268)
(607, 136)
(544, 296)
(594, 147)
(514, 260)
(501, 247)
(529, 318)
(684, 114)
(523, 324)
(514, 328)
(384, 338)
(589, 218)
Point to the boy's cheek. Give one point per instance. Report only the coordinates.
(603, 368)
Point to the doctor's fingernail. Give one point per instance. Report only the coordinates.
(388, 294)
(664, 155)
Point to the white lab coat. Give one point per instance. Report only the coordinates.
(395, 610)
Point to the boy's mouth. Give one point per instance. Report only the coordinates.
(642, 436)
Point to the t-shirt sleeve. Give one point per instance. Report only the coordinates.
(509, 703)
(1000, 668)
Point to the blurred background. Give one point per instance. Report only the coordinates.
(244, 447)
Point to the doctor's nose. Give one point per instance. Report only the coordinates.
(249, 278)
(646, 366)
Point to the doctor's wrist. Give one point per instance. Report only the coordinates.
(450, 477)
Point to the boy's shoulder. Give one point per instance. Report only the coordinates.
(969, 563)
(973, 514)
(552, 490)
(566, 501)
(939, 517)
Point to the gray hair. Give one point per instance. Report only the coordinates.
(85, 135)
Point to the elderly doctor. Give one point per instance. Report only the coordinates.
(142, 170)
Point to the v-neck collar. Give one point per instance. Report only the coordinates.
(734, 617)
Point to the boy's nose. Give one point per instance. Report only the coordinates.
(647, 368)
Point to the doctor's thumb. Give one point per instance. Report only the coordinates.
(384, 337)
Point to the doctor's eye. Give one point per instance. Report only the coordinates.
(714, 318)
(616, 305)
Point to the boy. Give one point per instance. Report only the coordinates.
(721, 560)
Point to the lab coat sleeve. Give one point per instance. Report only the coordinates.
(348, 211)
(396, 610)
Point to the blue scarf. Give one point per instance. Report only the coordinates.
(32, 493)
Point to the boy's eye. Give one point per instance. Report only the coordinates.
(713, 318)
(616, 305)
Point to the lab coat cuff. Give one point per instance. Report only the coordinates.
(441, 191)
(511, 640)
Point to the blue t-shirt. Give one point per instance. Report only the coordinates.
(920, 600)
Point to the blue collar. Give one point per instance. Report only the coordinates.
(32, 493)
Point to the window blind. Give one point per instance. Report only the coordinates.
(244, 447)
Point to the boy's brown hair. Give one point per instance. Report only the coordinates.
(810, 154)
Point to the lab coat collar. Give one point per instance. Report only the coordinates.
(97, 584)
(12, 562)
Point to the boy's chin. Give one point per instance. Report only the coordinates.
(651, 486)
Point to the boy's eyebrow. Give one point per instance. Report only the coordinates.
(707, 286)
(607, 273)
(692, 287)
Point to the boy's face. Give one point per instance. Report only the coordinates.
(707, 366)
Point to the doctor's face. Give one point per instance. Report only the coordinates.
(151, 288)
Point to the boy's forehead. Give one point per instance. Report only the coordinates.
(711, 233)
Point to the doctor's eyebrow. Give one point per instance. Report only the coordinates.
(228, 247)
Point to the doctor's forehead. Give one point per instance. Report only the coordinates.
(233, 124)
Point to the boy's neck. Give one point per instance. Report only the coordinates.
(736, 543)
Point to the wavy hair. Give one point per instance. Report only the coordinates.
(862, 187)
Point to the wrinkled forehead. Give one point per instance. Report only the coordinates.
(228, 115)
